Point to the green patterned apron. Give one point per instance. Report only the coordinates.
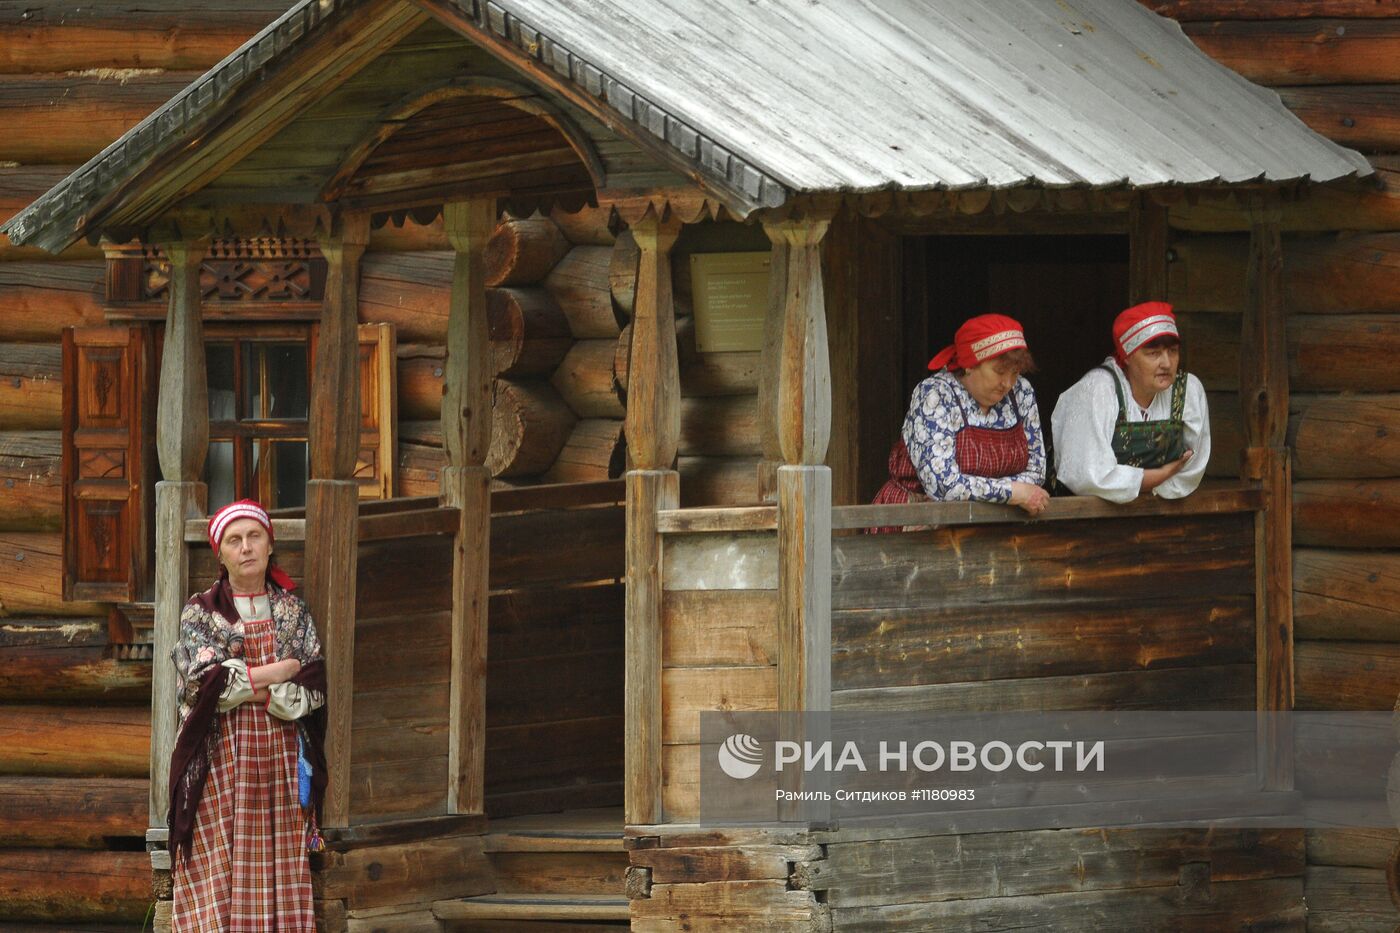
(1150, 444)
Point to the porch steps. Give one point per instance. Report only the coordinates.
(554, 872)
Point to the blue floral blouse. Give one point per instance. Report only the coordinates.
(936, 414)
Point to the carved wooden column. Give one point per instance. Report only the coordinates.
(653, 432)
(182, 443)
(770, 369)
(466, 484)
(332, 497)
(804, 484)
(1264, 397)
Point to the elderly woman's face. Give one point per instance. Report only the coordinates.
(989, 381)
(245, 551)
(1153, 367)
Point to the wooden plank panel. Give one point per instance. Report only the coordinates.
(712, 628)
(590, 547)
(686, 691)
(402, 574)
(404, 789)
(730, 561)
(708, 481)
(552, 688)
(917, 645)
(1223, 687)
(554, 754)
(1090, 560)
(555, 620)
(400, 650)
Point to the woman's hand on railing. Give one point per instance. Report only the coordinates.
(1033, 499)
(1156, 476)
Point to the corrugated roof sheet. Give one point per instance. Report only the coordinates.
(777, 97)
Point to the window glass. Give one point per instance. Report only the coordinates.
(280, 472)
(218, 359)
(275, 383)
(219, 474)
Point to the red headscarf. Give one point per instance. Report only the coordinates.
(981, 338)
(1139, 324)
(247, 508)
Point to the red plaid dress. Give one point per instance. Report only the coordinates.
(248, 871)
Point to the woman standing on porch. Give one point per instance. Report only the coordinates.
(973, 428)
(1136, 423)
(248, 772)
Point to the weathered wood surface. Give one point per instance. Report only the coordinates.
(31, 577)
(530, 424)
(406, 873)
(953, 567)
(588, 226)
(31, 386)
(529, 332)
(1337, 675)
(585, 380)
(974, 866)
(653, 422)
(1329, 274)
(560, 873)
(411, 290)
(1346, 594)
(724, 426)
(729, 561)
(622, 272)
(70, 812)
(1361, 116)
(39, 299)
(594, 451)
(648, 491)
(421, 369)
(1355, 847)
(732, 373)
(686, 692)
(63, 674)
(593, 552)
(58, 35)
(1192, 10)
(67, 886)
(1345, 437)
(766, 904)
(67, 119)
(718, 481)
(1333, 352)
(1375, 206)
(926, 645)
(521, 252)
(31, 481)
(1348, 900)
(579, 283)
(1347, 513)
(58, 740)
(1304, 51)
(714, 628)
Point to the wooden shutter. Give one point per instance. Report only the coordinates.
(108, 456)
(374, 467)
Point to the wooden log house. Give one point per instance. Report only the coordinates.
(319, 138)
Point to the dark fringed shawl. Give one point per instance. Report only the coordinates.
(198, 736)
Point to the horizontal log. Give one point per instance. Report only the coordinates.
(594, 451)
(1347, 513)
(411, 290)
(420, 381)
(1348, 900)
(1370, 205)
(53, 633)
(1346, 594)
(702, 374)
(719, 426)
(1332, 352)
(521, 252)
(39, 299)
(529, 333)
(63, 119)
(71, 812)
(588, 546)
(530, 424)
(31, 481)
(1304, 51)
(585, 380)
(588, 226)
(1362, 116)
(31, 386)
(709, 481)
(71, 674)
(1358, 847)
(420, 468)
(1340, 675)
(59, 740)
(31, 576)
(1189, 10)
(57, 35)
(73, 886)
(687, 864)
(622, 272)
(1330, 274)
(1345, 437)
(579, 283)
(407, 873)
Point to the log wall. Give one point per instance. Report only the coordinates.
(1336, 63)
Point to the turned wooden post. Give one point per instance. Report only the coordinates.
(770, 369)
(332, 497)
(466, 484)
(1147, 251)
(1264, 397)
(182, 443)
(653, 431)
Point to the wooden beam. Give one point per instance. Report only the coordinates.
(466, 484)
(653, 421)
(182, 442)
(1147, 251)
(804, 378)
(1264, 398)
(332, 497)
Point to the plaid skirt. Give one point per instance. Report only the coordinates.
(248, 871)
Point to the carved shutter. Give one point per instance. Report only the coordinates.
(374, 467)
(108, 453)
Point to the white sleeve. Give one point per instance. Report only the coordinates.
(1197, 422)
(1082, 426)
(292, 701)
(238, 689)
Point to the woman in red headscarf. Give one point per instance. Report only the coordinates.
(248, 773)
(973, 428)
(1136, 423)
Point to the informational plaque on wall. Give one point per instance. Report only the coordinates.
(730, 296)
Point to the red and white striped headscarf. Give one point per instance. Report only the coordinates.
(1139, 324)
(981, 338)
(243, 508)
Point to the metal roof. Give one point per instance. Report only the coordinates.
(781, 97)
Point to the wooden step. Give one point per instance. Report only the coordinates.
(533, 907)
(596, 830)
(576, 852)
